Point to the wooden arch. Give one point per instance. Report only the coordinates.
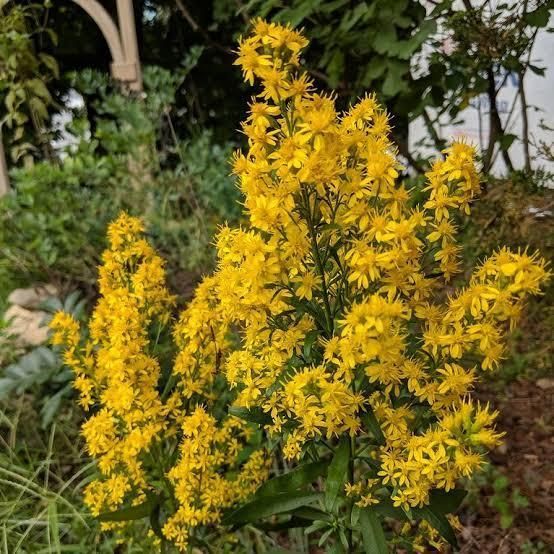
(122, 41)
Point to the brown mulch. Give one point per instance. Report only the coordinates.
(527, 459)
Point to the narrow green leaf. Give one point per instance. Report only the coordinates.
(54, 527)
(354, 515)
(446, 502)
(315, 527)
(373, 426)
(52, 405)
(536, 69)
(298, 477)
(155, 521)
(386, 508)
(538, 17)
(336, 475)
(309, 341)
(266, 506)
(325, 536)
(506, 141)
(314, 514)
(254, 415)
(439, 522)
(291, 523)
(343, 545)
(373, 535)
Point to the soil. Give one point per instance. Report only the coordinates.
(527, 459)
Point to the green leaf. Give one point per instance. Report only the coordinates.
(51, 407)
(297, 14)
(354, 515)
(38, 107)
(266, 506)
(294, 479)
(385, 39)
(506, 141)
(155, 521)
(536, 69)
(309, 341)
(394, 81)
(335, 68)
(316, 526)
(7, 385)
(372, 425)
(342, 546)
(386, 508)
(446, 502)
(372, 533)
(374, 70)
(51, 64)
(336, 475)
(306, 516)
(253, 415)
(130, 513)
(37, 87)
(54, 527)
(291, 523)
(311, 513)
(439, 521)
(10, 100)
(538, 17)
(406, 48)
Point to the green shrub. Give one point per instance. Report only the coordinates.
(52, 223)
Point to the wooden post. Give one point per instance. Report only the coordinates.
(122, 40)
(4, 177)
(128, 33)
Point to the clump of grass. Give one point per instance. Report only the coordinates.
(42, 474)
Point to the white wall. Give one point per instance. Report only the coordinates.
(473, 122)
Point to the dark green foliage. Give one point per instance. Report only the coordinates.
(372, 533)
(358, 46)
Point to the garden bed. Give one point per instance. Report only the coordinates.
(527, 418)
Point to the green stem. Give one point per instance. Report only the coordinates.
(319, 263)
(351, 503)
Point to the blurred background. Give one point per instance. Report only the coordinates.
(80, 146)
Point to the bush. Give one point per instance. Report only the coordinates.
(52, 224)
(331, 337)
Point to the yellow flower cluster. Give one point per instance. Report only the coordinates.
(200, 336)
(337, 285)
(200, 488)
(475, 319)
(421, 535)
(133, 427)
(328, 311)
(114, 370)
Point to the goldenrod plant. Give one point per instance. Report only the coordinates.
(332, 339)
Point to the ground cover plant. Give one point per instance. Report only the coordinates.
(332, 339)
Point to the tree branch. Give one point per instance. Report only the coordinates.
(198, 29)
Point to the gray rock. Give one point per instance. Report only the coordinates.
(26, 326)
(545, 383)
(32, 297)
